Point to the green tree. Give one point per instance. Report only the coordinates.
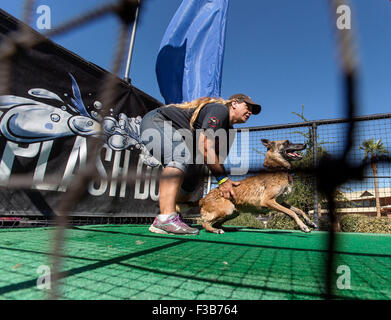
(373, 151)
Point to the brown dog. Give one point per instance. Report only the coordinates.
(260, 190)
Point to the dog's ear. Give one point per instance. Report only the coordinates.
(266, 143)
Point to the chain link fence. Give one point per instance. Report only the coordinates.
(334, 161)
(324, 138)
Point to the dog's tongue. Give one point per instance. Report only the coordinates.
(294, 154)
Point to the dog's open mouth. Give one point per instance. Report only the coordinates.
(293, 155)
(292, 151)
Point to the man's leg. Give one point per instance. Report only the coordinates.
(191, 189)
(168, 221)
(170, 182)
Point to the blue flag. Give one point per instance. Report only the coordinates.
(190, 60)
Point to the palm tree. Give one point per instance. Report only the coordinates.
(374, 151)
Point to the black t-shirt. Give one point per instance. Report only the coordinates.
(212, 116)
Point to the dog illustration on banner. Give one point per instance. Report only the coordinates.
(24, 120)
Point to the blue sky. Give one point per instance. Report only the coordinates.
(281, 53)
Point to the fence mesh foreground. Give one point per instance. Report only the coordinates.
(128, 262)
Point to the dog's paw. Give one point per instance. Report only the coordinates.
(219, 231)
(312, 224)
(304, 228)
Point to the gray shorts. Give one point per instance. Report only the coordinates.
(168, 146)
(163, 141)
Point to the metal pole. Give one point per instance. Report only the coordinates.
(209, 183)
(131, 45)
(315, 151)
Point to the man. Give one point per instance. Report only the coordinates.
(169, 126)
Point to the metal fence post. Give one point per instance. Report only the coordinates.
(209, 183)
(315, 151)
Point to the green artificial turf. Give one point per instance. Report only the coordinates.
(129, 262)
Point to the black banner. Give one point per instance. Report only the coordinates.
(47, 120)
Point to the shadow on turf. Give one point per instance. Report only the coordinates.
(256, 230)
(121, 261)
(93, 266)
(194, 238)
(290, 233)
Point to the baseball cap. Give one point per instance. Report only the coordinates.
(256, 108)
